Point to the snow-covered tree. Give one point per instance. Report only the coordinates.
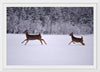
(50, 20)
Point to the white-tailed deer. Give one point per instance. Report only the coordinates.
(74, 39)
(33, 37)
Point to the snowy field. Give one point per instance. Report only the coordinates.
(56, 52)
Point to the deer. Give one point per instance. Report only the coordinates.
(33, 37)
(75, 39)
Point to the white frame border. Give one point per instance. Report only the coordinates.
(55, 1)
(51, 66)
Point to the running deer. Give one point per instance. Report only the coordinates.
(33, 37)
(74, 39)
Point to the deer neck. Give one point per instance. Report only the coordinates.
(72, 36)
(26, 35)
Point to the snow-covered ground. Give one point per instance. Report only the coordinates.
(56, 52)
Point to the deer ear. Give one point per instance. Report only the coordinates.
(71, 32)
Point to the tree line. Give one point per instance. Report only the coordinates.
(50, 20)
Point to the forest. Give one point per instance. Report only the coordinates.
(50, 20)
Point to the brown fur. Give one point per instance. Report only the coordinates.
(33, 37)
(74, 39)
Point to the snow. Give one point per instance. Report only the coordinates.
(56, 52)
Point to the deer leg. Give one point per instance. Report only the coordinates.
(24, 41)
(41, 42)
(44, 41)
(82, 43)
(70, 42)
(73, 42)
